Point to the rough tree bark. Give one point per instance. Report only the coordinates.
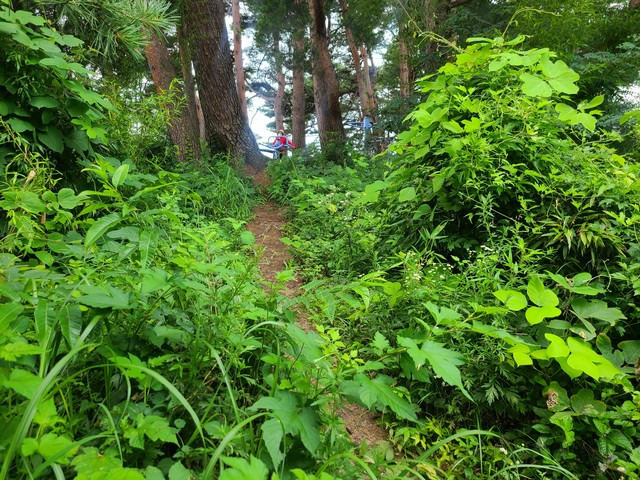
(182, 129)
(279, 100)
(371, 94)
(227, 130)
(326, 92)
(634, 3)
(237, 57)
(298, 121)
(189, 80)
(357, 62)
(405, 68)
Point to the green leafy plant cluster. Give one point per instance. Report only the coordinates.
(438, 309)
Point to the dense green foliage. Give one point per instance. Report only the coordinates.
(475, 285)
(496, 244)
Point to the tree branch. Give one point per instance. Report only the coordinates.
(457, 3)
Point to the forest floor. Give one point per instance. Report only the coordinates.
(266, 226)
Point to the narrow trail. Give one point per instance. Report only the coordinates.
(266, 226)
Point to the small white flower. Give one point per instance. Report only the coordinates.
(503, 450)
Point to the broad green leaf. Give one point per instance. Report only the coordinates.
(154, 279)
(595, 101)
(70, 321)
(247, 238)
(372, 192)
(521, 354)
(630, 350)
(110, 297)
(587, 120)
(100, 227)
(512, 299)
(536, 315)
(495, 332)
(557, 347)
(309, 427)
(68, 199)
(12, 351)
(120, 175)
(52, 138)
(272, 435)
(45, 257)
(596, 309)
(564, 420)
(378, 389)
(8, 313)
(540, 295)
(534, 86)
(148, 243)
(23, 382)
(153, 473)
(407, 194)
(444, 363)
(241, 469)
(560, 76)
(43, 321)
(380, 342)
(158, 428)
(26, 18)
(19, 125)
(51, 445)
(46, 102)
(92, 464)
(437, 182)
(585, 403)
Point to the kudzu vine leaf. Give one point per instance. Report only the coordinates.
(584, 402)
(513, 300)
(407, 194)
(534, 86)
(584, 359)
(536, 315)
(557, 346)
(521, 354)
(540, 295)
(560, 76)
(630, 350)
(596, 309)
(52, 138)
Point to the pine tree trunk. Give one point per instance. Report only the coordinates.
(298, 120)
(371, 94)
(355, 54)
(326, 92)
(237, 57)
(189, 80)
(279, 100)
(227, 130)
(405, 69)
(182, 131)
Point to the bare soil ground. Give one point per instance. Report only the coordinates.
(266, 226)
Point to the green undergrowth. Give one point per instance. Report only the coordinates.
(483, 273)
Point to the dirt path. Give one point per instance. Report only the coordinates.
(266, 226)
